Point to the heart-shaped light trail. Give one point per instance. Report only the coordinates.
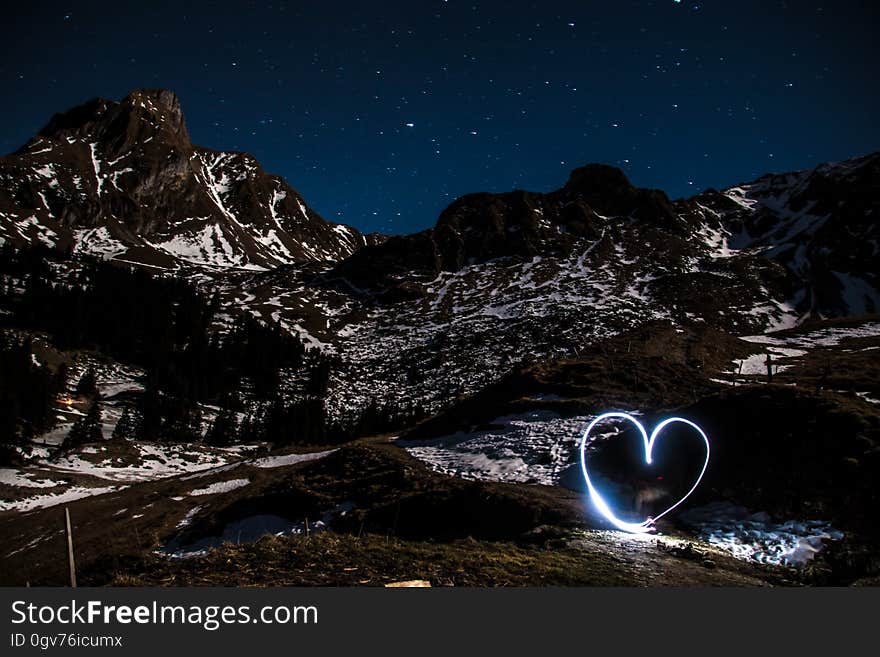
(599, 502)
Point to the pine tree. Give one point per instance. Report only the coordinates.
(88, 384)
(319, 378)
(247, 432)
(27, 393)
(150, 414)
(128, 426)
(182, 424)
(87, 429)
(276, 424)
(224, 429)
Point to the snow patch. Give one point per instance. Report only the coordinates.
(44, 501)
(98, 241)
(757, 537)
(19, 479)
(289, 459)
(533, 447)
(220, 487)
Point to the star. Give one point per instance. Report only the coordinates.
(466, 71)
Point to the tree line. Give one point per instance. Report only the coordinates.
(167, 327)
(27, 392)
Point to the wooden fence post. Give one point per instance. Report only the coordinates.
(70, 560)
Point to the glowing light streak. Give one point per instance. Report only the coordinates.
(597, 499)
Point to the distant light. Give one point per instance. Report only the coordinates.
(600, 504)
(410, 125)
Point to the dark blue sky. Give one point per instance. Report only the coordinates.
(381, 113)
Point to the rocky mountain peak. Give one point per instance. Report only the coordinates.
(481, 227)
(144, 114)
(122, 179)
(599, 179)
(162, 101)
(163, 105)
(609, 192)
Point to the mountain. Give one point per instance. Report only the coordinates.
(506, 279)
(500, 281)
(123, 180)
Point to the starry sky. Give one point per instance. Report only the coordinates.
(382, 113)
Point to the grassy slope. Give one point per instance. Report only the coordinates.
(409, 523)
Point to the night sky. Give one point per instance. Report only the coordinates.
(381, 113)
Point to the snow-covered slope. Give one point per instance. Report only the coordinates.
(520, 277)
(501, 280)
(820, 224)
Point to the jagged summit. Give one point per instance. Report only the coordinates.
(610, 192)
(144, 113)
(122, 179)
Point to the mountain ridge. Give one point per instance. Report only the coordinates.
(502, 279)
(122, 179)
(748, 219)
